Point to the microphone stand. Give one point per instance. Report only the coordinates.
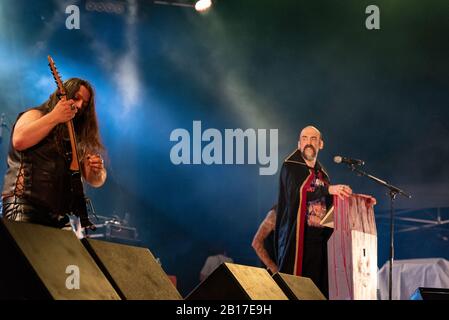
(393, 192)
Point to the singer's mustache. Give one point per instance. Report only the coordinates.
(307, 156)
(310, 146)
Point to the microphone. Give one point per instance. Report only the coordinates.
(357, 162)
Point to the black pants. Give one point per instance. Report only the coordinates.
(314, 264)
(21, 210)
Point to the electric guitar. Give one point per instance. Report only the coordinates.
(77, 198)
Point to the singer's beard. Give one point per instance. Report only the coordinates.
(311, 155)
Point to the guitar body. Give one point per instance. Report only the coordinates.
(78, 200)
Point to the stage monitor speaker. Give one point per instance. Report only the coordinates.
(40, 262)
(133, 271)
(430, 294)
(237, 282)
(298, 288)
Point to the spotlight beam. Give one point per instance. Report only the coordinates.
(200, 5)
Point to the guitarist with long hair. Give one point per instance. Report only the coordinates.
(38, 186)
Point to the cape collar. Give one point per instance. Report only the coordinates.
(296, 157)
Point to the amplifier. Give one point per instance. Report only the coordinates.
(112, 230)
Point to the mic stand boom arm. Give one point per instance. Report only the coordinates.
(393, 192)
(393, 189)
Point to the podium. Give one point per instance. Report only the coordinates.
(352, 249)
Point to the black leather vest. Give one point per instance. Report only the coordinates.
(39, 175)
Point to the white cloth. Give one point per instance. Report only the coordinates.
(212, 263)
(408, 275)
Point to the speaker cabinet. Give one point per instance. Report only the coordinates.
(430, 294)
(237, 282)
(298, 288)
(133, 271)
(40, 262)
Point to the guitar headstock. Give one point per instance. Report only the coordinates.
(56, 76)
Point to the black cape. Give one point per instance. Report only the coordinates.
(295, 179)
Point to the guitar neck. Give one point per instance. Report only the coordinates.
(74, 164)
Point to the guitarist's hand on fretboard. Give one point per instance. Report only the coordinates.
(63, 111)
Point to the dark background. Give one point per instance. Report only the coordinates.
(378, 95)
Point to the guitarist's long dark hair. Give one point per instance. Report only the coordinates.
(85, 121)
